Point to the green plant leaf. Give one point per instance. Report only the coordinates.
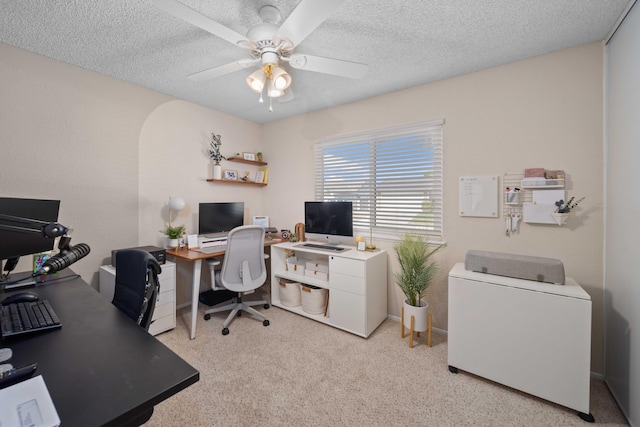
(417, 268)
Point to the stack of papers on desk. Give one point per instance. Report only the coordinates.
(28, 403)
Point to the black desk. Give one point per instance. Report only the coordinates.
(100, 367)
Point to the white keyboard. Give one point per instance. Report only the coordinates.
(216, 243)
(213, 249)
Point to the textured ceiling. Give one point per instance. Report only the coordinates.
(404, 42)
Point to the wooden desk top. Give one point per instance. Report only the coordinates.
(190, 255)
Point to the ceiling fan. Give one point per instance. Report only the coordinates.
(270, 45)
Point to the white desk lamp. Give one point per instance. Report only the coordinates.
(175, 204)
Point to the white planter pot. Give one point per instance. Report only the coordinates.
(217, 171)
(419, 314)
(173, 243)
(560, 218)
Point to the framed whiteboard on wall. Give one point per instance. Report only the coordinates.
(478, 196)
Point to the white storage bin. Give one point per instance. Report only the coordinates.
(289, 293)
(319, 275)
(295, 267)
(313, 299)
(318, 265)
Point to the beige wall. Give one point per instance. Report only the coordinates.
(541, 112)
(73, 135)
(114, 153)
(174, 162)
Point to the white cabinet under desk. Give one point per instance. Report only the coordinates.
(357, 284)
(164, 315)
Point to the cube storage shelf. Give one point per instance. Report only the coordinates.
(357, 285)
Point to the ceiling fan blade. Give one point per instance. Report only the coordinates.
(338, 67)
(305, 18)
(193, 17)
(212, 73)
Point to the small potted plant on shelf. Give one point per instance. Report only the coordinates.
(174, 234)
(259, 156)
(417, 270)
(563, 209)
(215, 155)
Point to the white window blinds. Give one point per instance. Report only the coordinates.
(392, 176)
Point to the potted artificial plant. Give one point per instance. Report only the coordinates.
(417, 270)
(259, 156)
(563, 210)
(174, 234)
(215, 155)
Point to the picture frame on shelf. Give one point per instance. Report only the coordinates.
(259, 177)
(231, 175)
(249, 156)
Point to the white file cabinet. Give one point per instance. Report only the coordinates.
(164, 315)
(532, 336)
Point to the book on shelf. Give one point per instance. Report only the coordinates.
(262, 173)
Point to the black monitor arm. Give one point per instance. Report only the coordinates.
(47, 229)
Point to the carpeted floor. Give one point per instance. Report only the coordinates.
(299, 372)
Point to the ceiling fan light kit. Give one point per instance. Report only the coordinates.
(281, 79)
(270, 45)
(256, 80)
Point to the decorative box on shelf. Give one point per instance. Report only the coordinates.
(537, 182)
(319, 275)
(294, 266)
(318, 269)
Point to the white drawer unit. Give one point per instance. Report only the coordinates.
(532, 336)
(357, 284)
(164, 315)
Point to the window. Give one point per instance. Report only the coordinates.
(393, 177)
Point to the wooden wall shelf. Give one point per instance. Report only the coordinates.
(250, 162)
(230, 181)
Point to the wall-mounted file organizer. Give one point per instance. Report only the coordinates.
(544, 194)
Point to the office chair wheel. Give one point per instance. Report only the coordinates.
(266, 306)
(265, 322)
(207, 316)
(225, 331)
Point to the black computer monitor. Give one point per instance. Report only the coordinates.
(220, 217)
(14, 243)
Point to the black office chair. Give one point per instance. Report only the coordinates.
(137, 285)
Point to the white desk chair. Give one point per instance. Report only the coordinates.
(243, 271)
